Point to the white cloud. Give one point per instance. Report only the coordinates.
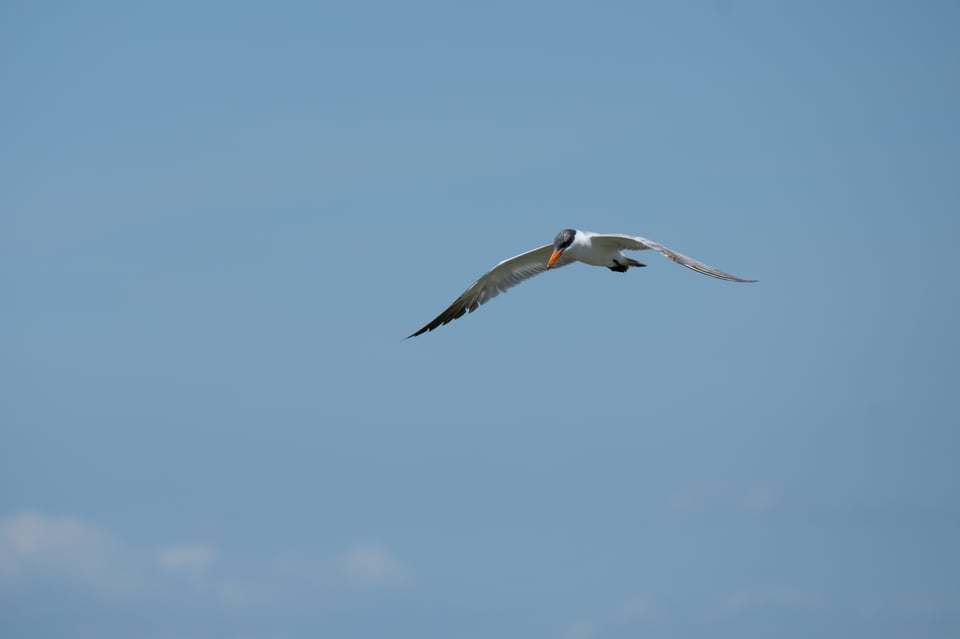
(192, 560)
(35, 547)
(368, 564)
(67, 552)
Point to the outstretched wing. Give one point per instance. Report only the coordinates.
(499, 279)
(634, 243)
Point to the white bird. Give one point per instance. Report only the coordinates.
(569, 246)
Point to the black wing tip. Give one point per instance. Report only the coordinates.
(425, 329)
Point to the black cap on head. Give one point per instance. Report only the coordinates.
(563, 240)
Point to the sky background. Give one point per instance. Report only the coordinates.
(218, 221)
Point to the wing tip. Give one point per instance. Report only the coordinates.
(423, 330)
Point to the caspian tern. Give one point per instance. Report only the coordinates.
(569, 246)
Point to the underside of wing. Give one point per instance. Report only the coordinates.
(499, 279)
(635, 243)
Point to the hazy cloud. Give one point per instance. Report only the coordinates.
(723, 499)
(243, 595)
(639, 606)
(193, 560)
(45, 549)
(580, 630)
(746, 601)
(369, 564)
(63, 549)
(627, 617)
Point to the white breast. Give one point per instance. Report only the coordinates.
(584, 250)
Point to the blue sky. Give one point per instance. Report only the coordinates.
(218, 222)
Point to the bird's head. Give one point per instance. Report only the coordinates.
(561, 243)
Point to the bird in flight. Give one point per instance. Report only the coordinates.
(569, 246)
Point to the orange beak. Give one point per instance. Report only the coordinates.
(553, 258)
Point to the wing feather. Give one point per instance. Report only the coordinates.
(635, 243)
(500, 279)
